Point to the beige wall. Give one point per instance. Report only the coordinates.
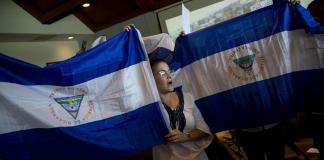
(146, 23)
(15, 20)
(39, 53)
(305, 3)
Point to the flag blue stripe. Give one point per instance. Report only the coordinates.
(118, 53)
(263, 102)
(112, 138)
(241, 30)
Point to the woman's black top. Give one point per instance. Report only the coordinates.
(176, 116)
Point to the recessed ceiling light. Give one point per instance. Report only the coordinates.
(85, 5)
(71, 37)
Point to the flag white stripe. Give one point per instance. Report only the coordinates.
(27, 107)
(277, 55)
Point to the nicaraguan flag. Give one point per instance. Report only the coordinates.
(255, 69)
(102, 104)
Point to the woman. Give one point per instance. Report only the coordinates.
(189, 135)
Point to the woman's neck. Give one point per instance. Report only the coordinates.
(170, 99)
(165, 97)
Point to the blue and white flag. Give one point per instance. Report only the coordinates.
(255, 69)
(102, 104)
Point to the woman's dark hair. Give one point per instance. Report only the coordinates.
(155, 62)
(162, 54)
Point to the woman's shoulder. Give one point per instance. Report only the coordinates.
(187, 95)
(188, 100)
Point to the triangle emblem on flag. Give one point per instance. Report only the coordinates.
(70, 104)
(245, 62)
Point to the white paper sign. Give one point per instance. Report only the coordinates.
(185, 20)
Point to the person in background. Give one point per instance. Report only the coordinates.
(266, 142)
(316, 112)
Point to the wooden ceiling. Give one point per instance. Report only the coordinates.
(100, 15)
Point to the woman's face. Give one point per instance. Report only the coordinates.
(163, 77)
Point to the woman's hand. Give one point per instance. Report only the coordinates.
(127, 28)
(182, 33)
(293, 2)
(177, 136)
